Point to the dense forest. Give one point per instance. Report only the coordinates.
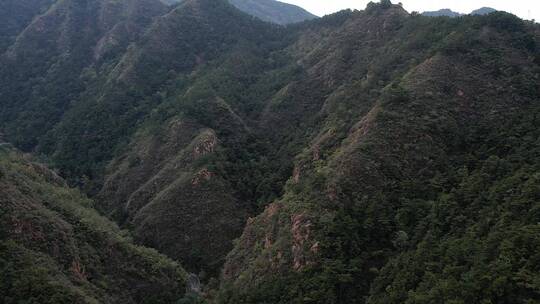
(373, 156)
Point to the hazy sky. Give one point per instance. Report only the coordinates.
(527, 9)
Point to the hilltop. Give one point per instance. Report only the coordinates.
(268, 10)
(449, 13)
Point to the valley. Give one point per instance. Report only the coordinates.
(203, 151)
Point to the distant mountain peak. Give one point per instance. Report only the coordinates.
(483, 11)
(442, 12)
(449, 13)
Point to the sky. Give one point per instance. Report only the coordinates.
(526, 9)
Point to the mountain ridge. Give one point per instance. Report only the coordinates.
(16, 15)
(268, 10)
(449, 13)
(56, 249)
(368, 156)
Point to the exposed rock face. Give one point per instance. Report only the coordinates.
(301, 234)
(252, 237)
(193, 284)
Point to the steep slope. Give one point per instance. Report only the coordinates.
(165, 189)
(273, 11)
(186, 39)
(15, 15)
(369, 206)
(54, 248)
(42, 73)
(165, 183)
(207, 60)
(377, 156)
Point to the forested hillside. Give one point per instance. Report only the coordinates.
(370, 156)
(55, 248)
(47, 67)
(268, 10)
(15, 15)
(401, 206)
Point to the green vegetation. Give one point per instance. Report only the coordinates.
(268, 10)
(405, 208)
(55, 248)
(364, 157)
(16, 15)
(273, 11)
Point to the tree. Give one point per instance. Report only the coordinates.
(386, 3)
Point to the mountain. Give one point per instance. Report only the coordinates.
(15, 15)
(139, 185)
(368, 156)
(360, 213)
(42, 71)
(268, 10)
(442, 12)
(273, 11)
(483, 11)
(55, 248)
(449, 13)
